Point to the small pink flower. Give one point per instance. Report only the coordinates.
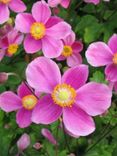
(10, 43)
(95, 1)
(48, 135)
(100, 54)
(14, 5)
(43, 31)
(23, 142)
(37, 146)
(71, 50)
(24, 102)
(63, 3)
(67, 95)
(3, 77)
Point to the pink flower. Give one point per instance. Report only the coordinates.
(23, 142)
(100, 54)
(71, 50)
(95, 1)
(63, 3)
(43, 31)
(3, 77)
(48, 135)
(24, 102)
(10, 43)
(67, 95)
(14, 5)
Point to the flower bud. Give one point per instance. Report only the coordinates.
(3, 77)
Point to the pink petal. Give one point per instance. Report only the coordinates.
(74, 60)
(23, 118)
(3, 77)
(53, 3)
(46, 111)
(43, 74)
(23, 90)
(47, 134)
(23, 22)
(112, 43)
(23, 142)
(4, 42)
(31, 45)
(92, 1)
(41, 11)
(111, 72)
(9, 101)
(17, 6)
(77, 46)
(99, 54)
(65, 3)
(4, 13)
(51, 47)
(70, 39)
(2, 53)
(77, 121)
(59, 31)
(76, 76)
(94, 98)
(52, 21)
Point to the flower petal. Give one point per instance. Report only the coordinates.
(47, 134)
(94, 98)
(41, 11)
(77, 46)
(51, 47)
(52, 21)
(17, 6)
(2, 53)
(53, 3)
(23, 90)
(65, 3)
(74, 60)
(23, 22)
(99, 54)
(76, 76)
(70, 39)
(43, 74)
(46, 111)
(115, 86)
(59, 31)
(4, 13)
(31, 45)
(111, 72)
(9, 101)
(23, 118)
(112, 43)
(77, 121)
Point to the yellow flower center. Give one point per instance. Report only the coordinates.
(37, 30)
(29, 102)
(12, 49)
(64, 95)
(5, 1)
(67, 51)
(115, 58)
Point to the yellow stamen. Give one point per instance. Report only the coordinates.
(67, 51)
(12, 49)
(29, 102)
(37, 30)
(64, 95)
(5, 1)
(115, 58)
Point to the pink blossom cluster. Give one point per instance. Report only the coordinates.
(49, 95)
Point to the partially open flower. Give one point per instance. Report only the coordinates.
(3, 77)
(23, 142)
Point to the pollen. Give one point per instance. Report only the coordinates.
(37, 30)
(64, 95)
(115, 58)
(5, 1)
(67, 51)
(29, 102)
(12, 49)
